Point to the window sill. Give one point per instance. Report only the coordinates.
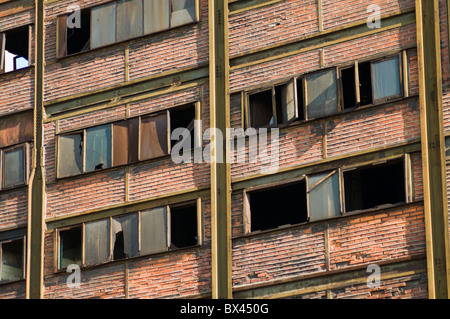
(15, 72)
(9, 282)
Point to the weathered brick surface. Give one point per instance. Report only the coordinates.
(15, 290)
(272, 24)
(337, 13)
(13, 208)
(388, 125)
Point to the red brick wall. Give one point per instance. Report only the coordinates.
(13, 208)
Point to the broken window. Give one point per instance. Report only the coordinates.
(183, 12)
(322, 94)
(125, 142)
(70, 155)
(120, 21)
(98, 148)
(15, 49)
(12, 259)
(70, 243)
(154, 230)
(183, 226)
(154, 136)
(374, 185)
(365, 84)
(386, 79)
(125, 236)
(278, 206)
(324, 198)
(97, 242)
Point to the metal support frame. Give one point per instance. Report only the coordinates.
(36, 202)
(433, 148)
(220, 169)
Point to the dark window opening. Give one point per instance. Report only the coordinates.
(183, 117)
(284, 205)
(300, 100)
(374, 186)
(78, 39)
(261, 112)
(16, 49)
(119, 247)
(12, 260)
(183, 226)
(365, 83)
(348, 87)
(70, 247)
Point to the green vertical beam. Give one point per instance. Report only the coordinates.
(36, 202)
(433, 147)
(220, 170)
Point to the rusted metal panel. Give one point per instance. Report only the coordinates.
(289, 103)
(98, 148)
(125, 138)
(97, 242)
(129, 19)
(154, 136)
(156, 15)
(183, 12)
(322, 94)
(324, 196)
(154, 230)
(17, 128)
(61, 42)
(103, 25)
(70, 158)
(14, 166)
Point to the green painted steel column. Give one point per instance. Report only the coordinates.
(433, 147)
(36, 190)
(220, 169)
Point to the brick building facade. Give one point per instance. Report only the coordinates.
(92, 109)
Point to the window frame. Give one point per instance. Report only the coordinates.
(386, 99)
(25, 146)
(61, 33)
(8, 239)
(3, 40)
(57, 239)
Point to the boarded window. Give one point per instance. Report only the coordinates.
(98, 148)
(275, 207)
(154, 136)
(322, 94)
(14, 166)
(183, 12)
(156, 15)
(16, 129)
(97, 241)
(125, 139)
(129, 19)
(103, 22)
(70, 247)
(261, 109)
(375, 185)
(70, 155)
(324, 199)
(15, 45)
(125, 237)
(386, 79)
(12, 260)
(154, 230)
(183, 226)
